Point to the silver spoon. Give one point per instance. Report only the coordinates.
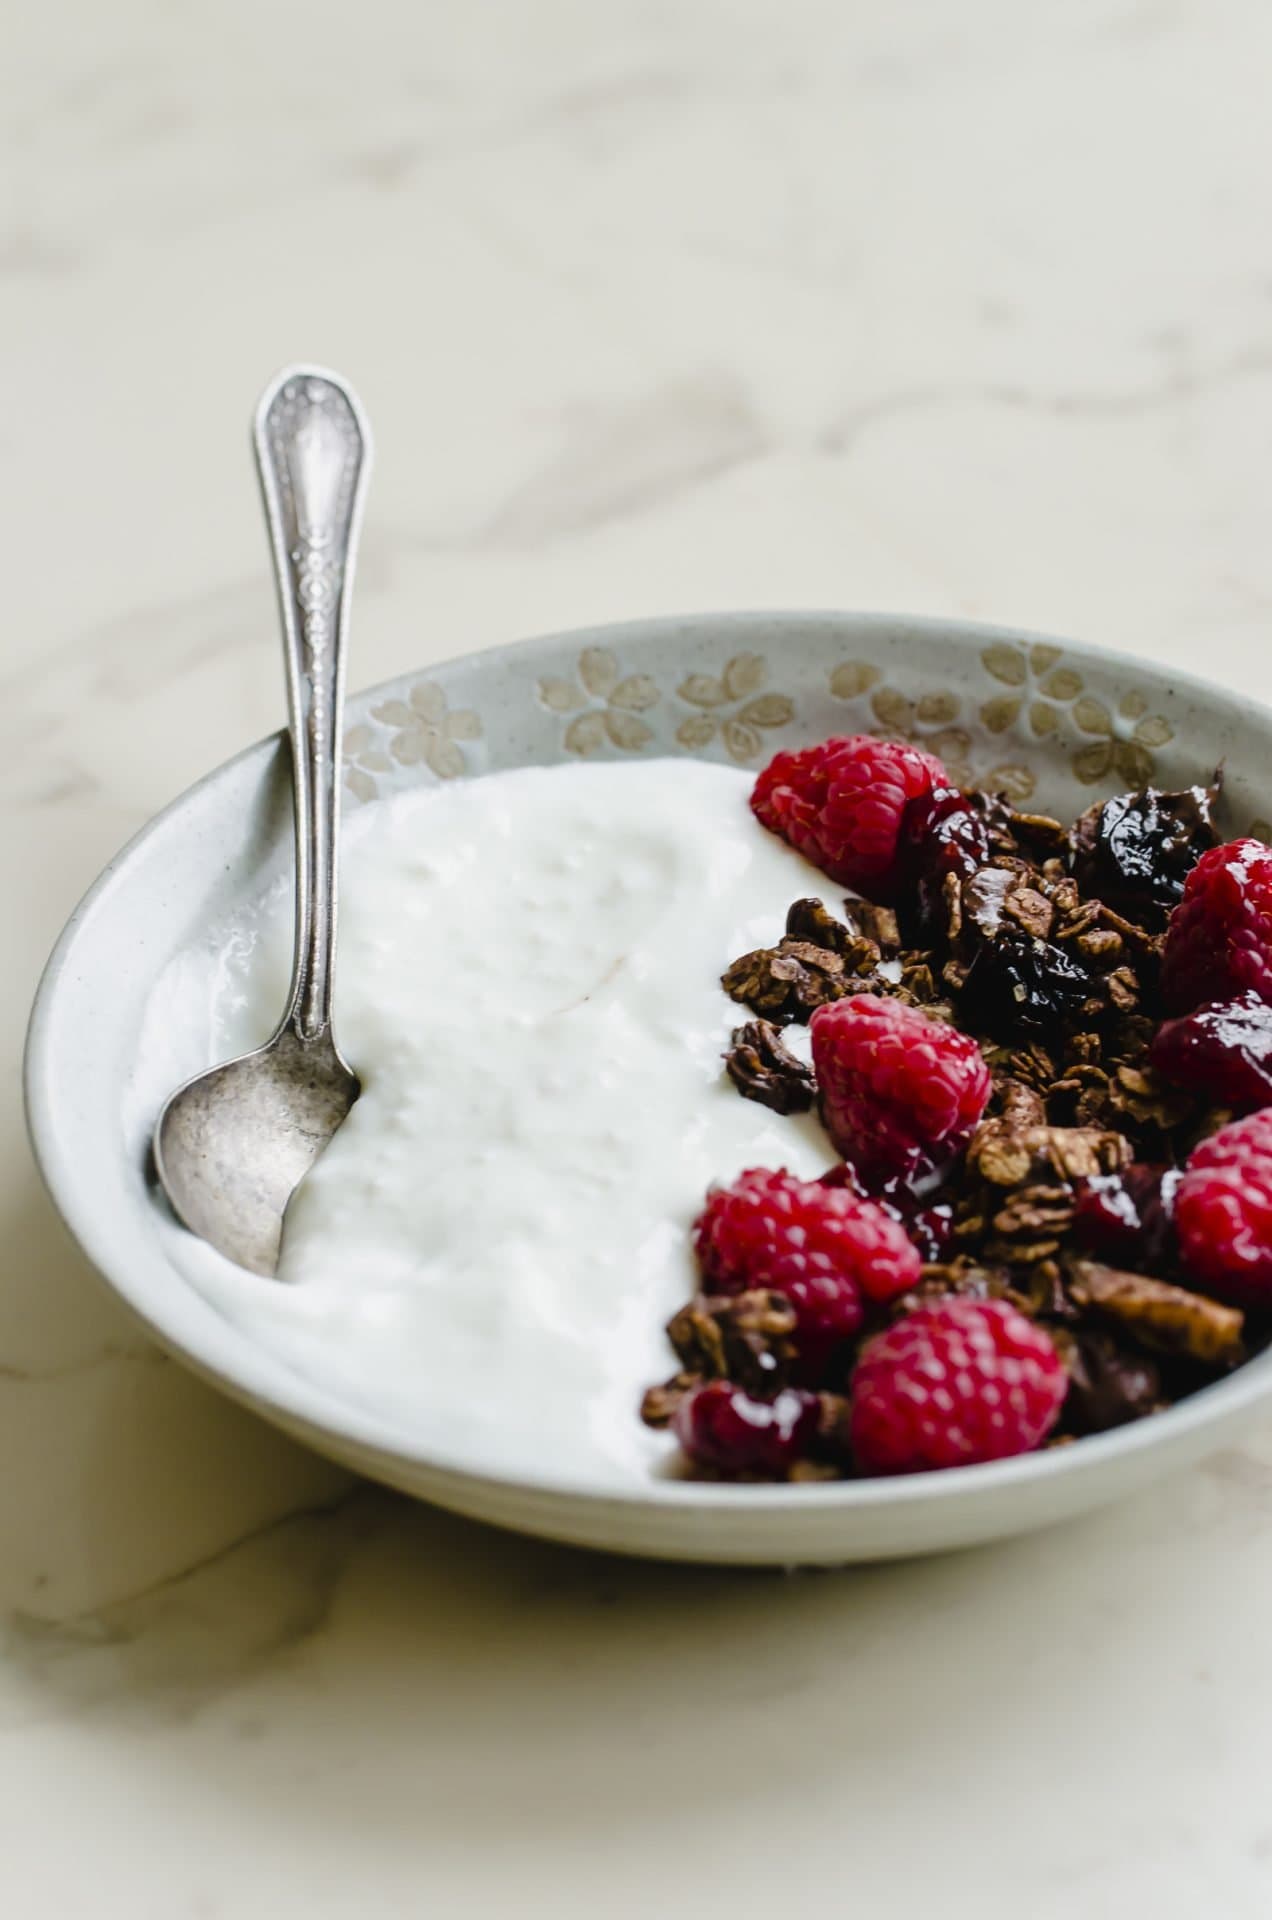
(232, 1146)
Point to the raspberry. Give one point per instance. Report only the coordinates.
(940, 834)
(1128, 1217)
(823, 1247)
(1219, 941)
(841, 804)
(1223, 1051)
(952, 1384)
(721, 1427)
(1223, 1212)
(899, 1090)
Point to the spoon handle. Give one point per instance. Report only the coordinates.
(313, 451)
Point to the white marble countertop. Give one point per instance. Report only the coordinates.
(720, 302)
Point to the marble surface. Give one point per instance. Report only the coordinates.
(656, 304)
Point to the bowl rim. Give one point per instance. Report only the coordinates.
(265, 1384)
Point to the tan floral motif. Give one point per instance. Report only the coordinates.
(928, 721)
(1049, 697)
(421, 732)
(605, 703)
(734, 706)
(363, 760)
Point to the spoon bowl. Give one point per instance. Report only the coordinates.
(233, 1145)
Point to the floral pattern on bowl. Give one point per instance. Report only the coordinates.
(1026, 712)
(419, 730)
(606, 704)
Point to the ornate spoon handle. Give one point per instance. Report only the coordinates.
(313, 451)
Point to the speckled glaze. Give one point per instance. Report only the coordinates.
(1050, 721)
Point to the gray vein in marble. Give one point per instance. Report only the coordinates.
(163, 1652)
(622, 462)
(144, 1354)
(1176, 387)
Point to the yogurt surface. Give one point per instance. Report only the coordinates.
(528, 985)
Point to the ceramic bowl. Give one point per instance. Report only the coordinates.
(1049, 721)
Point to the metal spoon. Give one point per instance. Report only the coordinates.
(232, 1146)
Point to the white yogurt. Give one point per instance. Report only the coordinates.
(528, 985)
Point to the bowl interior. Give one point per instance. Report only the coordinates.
(1054, 725)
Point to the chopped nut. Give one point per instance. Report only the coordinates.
(1030, 910)
(1022, 1106)
(789, 981)
(1035, 1212)
(1131, 1037)
(954, 975)
(1006, 1155)
(1091, 1108)
(1037, 832)
(1000, 1154)
(1026, 1252)
(1040, 1291)
(1064, 896)
(1122, 988)
(878, 924)
(953, 903)
(1033, 1066)
(1077, 1153)
(696, 1338)
(917, 982)
(658, 1407)
(1140, 1095)
(1076, 925)
(1133, 934)
(743, 1337)
(1084, 1092)
(763, 1068)
(1164, 1316)
(1101, 944)
(810, 924)
(831, 1418)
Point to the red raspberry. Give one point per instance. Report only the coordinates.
(1223, 1051)
(841, 804)
(1219, 941)
(953, 1384)
(720, 1426)
(899, 1091)
(1223, 1212)
(823, 1247)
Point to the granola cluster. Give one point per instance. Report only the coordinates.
(1044, 944)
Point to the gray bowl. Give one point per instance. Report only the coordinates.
(1050, 721)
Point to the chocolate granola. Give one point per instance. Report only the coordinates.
(1047, 952)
